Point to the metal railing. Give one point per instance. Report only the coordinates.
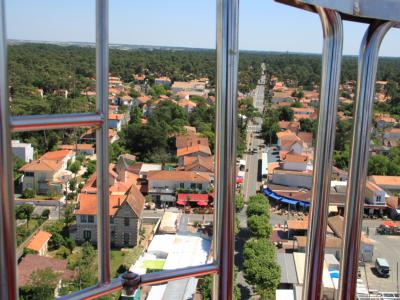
(381, 16)
(226, 90)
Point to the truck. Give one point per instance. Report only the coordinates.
(264, 165)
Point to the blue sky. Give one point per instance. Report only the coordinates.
(264, 24)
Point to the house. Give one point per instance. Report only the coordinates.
(301, 179)
(162, 81)
(120, 181)
(59, 155)
(125, 100)
(61, 92)
(198, 164)
(31, 263)
(391, 142)
(189, 140)
(162, 185)
(306, 137)
(187, 105)
(124, 162)
(90, 136)
(139, 77)
(295, 162)
(308, 111)
(292, 126)
(114, 81)
(383, 121)
(193, 151)
(392, 133)
(285, 96)
(390, 184)
(289, 141)
(48, 173)
(39, 242)
(142, 169)
(115, 121)
(85, 149)
(22, 150)
(193, 88)
(374, 195)
(125, 218)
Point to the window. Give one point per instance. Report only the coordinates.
(84, 218)
(182, 185)
(29, 174)
(126, 221)
(111, 220)
(126, 238)
(90, 219)
(378, 198)
(199, 186)
(193, 186)
(112, 235)
(87, 235)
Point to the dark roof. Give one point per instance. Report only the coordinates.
(32, 262)
(336, 224)
(288, 268)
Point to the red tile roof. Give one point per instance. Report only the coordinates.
(57, 155)
(38, 240)
(193, 149)
(197, 177)
(42, 165)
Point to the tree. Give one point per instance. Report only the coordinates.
(75, 167)
(17, 164)
(286, 114)
(307, 125)
(260, 267)
(378, 165)
(41, 285)
(45, 213)
(259, 226)
(239, 202)
(24, 211)
(269, 129)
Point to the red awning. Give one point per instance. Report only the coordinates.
(193, 197)
(202, 203)
(180, 202)
(239, 179)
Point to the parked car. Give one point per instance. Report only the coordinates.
(382, 267)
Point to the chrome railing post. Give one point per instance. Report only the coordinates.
(103, 217)
(8, 264)
(331, 62)
(367, 67)
(225, 152)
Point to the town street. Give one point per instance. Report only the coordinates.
(251, 184)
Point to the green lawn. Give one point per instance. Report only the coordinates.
(128, 258)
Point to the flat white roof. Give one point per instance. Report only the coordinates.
(284, 295)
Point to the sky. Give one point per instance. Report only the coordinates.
(263, 25)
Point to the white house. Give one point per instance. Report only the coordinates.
(295, 162)
(392, 133)
(22, 150)
(292, 178)
(163, 184)
(374, 195)
(115, 121)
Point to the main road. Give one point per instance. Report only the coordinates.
(251, 184)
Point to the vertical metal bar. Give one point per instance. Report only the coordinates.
(8, 277)
(103, 218)
(367, 66)
(331, 62)
(225, 154)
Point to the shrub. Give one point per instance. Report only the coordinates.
(63, 252)
(28, 194)
(45, 213)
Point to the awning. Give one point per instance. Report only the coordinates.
(275, 196)
(180, 202)
(289, 201)
(202, 203)
(239, 180)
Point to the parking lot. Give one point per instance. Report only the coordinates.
(385, 246)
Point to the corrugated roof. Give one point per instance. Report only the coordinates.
(288, 268)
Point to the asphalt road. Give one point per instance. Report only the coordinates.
(250, 187)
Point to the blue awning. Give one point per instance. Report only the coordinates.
(268, 192)
(289, 201)
(275, 196)
(305, 204)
